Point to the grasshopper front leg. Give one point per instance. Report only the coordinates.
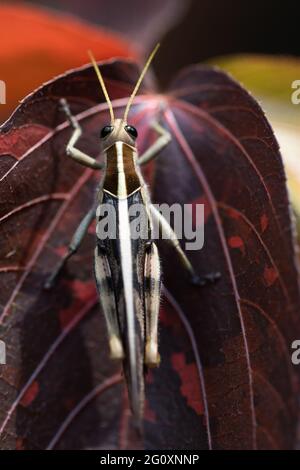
(153, 151)
(71, 150)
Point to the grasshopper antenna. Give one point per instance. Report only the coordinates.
(103, 87)
(151, 56)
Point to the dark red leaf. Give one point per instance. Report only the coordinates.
(226, 378)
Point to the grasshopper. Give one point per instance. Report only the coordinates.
(127, 271)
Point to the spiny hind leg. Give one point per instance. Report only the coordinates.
(152, 301)
(108, 302)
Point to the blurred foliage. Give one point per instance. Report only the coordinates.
(270, 79)
(141, 22)
(41, 39)
(36, 45)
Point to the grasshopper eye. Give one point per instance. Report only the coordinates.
(131, 131)
(105, 131)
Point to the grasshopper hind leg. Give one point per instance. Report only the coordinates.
(108, 302)
(152, 302)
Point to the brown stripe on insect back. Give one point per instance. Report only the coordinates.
(111, 179)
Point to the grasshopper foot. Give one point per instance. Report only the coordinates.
(201, 281)
(51, 280)
(49, 283)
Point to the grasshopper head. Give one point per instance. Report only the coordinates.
(118, 130)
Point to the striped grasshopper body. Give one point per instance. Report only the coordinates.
(127, 270)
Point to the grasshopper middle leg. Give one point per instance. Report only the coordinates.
(153, 152)
(73, 246)
(171, 237)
